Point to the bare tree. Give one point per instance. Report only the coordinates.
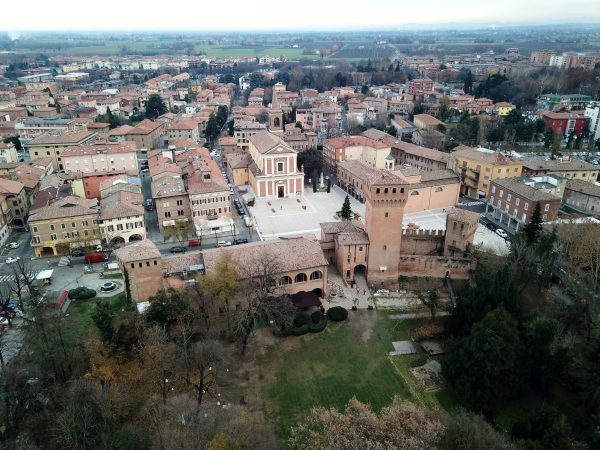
(425, 289)
(25, 272)
(179, 232)
(223, 283)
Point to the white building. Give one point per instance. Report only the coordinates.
(122, 222)
(8, 153)
(121, 156)
(592, 111)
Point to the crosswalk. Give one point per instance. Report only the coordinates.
(9, 278)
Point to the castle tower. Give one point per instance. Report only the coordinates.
(460, 231)
(384, 210)
(276, 124)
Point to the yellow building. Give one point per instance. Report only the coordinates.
(238, 164)
(478, 166)
(503, 108)
(68, 223)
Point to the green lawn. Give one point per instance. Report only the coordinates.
(347, 359)
(80, 314)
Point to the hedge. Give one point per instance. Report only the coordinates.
(337, 314)
(301, 319)
(317, 327)
(81, 293)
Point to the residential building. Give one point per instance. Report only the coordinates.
(5, 219)
(68, 223)
(566, 102)
(172, 201)
(592, 110)
(565, 123)
(583, 196)
(237, 165)
(244, 130)
(141, 261)
(477, 167)
(426, 122)
(300, 140)
(183, 129)
(503, 108)
(121, 221)
(274, 171)
(566, 167)
(121, 156)
(420, 86)
(422, 158)
(359, 148)
(16, 197)
(8, 153)
(513, 201)
(542, 57)
(53, 144)
(145, 135)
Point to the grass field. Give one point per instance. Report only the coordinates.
(347, 359)
(80, 314)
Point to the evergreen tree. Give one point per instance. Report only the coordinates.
(102, 317)
(212, 129)
(155, 107)
(127, 286)
(468, 84)
(534, 227)
(548, 138)
(346, 209)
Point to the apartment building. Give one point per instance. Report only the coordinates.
(566, 167)
(514, 199)
(53, 144)
(422, 158)
(583, 196)
(117, 157)
(477, 167)
(358, 148)
(171, 200)
(5, 219)
(17, 201)
(244, 130)
(300, 140)
(183, 129)
(8, 153)
(121, 221)
(145, 134)
(68, 223)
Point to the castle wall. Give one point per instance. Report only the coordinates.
(436, 266)
(422, 242)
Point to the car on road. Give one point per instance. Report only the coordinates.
(500, 232)
(14, 245)
(490, 226)
(239, 241)
(77, 253)
(149, 204)
(108, 286)
(178, 249)
(12, 259)
(223, 243)
(194, 243)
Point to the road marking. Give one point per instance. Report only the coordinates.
(9, 278)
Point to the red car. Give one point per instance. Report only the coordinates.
(194, 243)
(96, 257)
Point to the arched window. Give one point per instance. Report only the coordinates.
(414, 193)
(285, 280)
(316, 275)
(439, 189)
(300, 278)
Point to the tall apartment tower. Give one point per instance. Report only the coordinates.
(384, 211)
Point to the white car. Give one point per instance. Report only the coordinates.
(14, 245)
(12, 259)
(500, 232)
(223, 243)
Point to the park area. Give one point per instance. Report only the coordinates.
(289, 376)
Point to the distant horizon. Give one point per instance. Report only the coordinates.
(313, 15)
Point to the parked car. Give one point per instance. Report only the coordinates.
(178, 249)
(95, 257)
(12, 259)
(223, 243)
(14, 245)
(238, 241)
(194, 243)
(108, 286)
(146, 170)
(491, 226)
(500, 232)
(77, 253)
(149, 204)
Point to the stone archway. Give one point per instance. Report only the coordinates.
(117, 240)
(135, 237)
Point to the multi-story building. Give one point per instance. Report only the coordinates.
(422, 158)
(583, 196)
(121, 221)
(514, 200)
(477, 167)
(183, 129)
(17, 200)
(145, 135)
(300, 140)
(592, 110)
(8, 153)
(358, 148)
(420, 86)
(566, 102)
(53, 144)
(5, 219)
(274, 170)
(244, 130)
(566, 168)
(172, 201)
(68, 223)
(503, 108)
(426, 122)
(109, 157)
(565, 123)
(33, 127)
(542, 57)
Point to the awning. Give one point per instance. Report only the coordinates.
(45, 274)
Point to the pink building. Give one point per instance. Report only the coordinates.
(117, 157)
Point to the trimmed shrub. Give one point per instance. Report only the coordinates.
(418, 361)
(301, 319)
(81, 293)
(299, 331)
(317, 327)
(317, 317)
(337, 314)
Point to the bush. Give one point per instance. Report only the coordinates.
(317, 317)
(81, 293)
(337, 314)
(317, 327)
(299, 331)
(301, 319)
(418, 361)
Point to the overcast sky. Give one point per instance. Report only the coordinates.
(282, 15)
